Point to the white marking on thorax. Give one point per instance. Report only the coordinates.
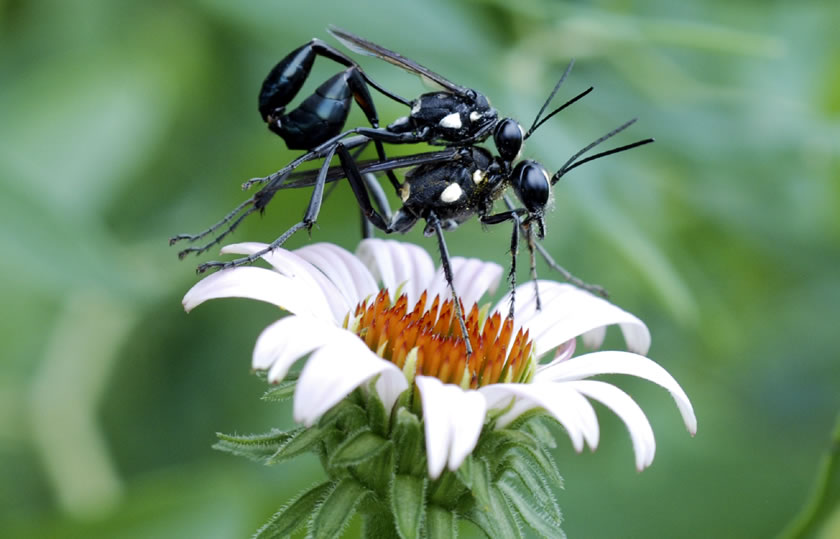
(416, 108)
(478, 176)
(475, 116)
(405, 191)
(451, 194)
(451, 121)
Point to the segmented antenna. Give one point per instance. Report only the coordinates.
(573, 162)
(551, 96)
(555, 111)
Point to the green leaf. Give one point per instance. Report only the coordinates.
(291, 517)
(533, 422)
(504, 516)
(377, 415)
(377, 473)
(447, 490)
(257, 447)
(408, 442)
(465, 471)
(358, 447)
(537, 457)
(493, 444)
(495, 518)
(303, 440)
(338, 508)
(441, 523)
(532, 478)
(480, 485)
(407, 501)
(347, 416)
(530, 510)
(505, 441)
(280, 392)
(525, 418)
(469, 510)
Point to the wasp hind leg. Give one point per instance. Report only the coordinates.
(564, 273)
(309, 218)
(434, 221)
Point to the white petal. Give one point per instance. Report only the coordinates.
(568, 312)
(571, 409)
(374, 254)
(293, 295)
(292, 265)
(471, 277)
(413, 268)
(389, 388)
(612, 362)
(396, 263)
(526, 300)
(466, 426)
(343, 269)
(453, 419)
(475, 279)
(422, 268)
(287, 340)
(641, 433)
(595, 338)
(562, 353)
(334, 371)
(436, 409)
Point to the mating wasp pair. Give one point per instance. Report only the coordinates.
(443, 188)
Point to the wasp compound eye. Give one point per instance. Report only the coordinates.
(530, 181)
(508, 138)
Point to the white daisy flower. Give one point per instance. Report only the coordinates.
(406, 335)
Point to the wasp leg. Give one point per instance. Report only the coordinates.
(566, 274)
(433, 220)
(532, 245)
(321, 116)
(356, 84)
(366, 134)
(379, 199)
(218, 239)
(286, 79)
(309, 218)
(514, 214)
(360, 190)
(378, 196)
(195, 237)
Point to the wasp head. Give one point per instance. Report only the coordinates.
(532, 186)
(508, 138)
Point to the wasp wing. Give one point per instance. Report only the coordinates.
(363, 46)
(306, 178)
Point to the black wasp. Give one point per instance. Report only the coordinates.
(454, 115)
(445, 188)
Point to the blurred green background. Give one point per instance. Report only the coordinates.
(123, 123)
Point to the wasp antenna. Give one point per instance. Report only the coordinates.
(570, 164)
(610, 152)
(551, 96)
(558, 109)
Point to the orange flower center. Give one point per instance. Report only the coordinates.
(429, 341)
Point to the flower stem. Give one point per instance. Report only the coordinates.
(825, 498)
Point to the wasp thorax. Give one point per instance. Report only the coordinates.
(531, 183)
(427, 340)
(508, 138)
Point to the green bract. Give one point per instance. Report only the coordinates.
(376, 465)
